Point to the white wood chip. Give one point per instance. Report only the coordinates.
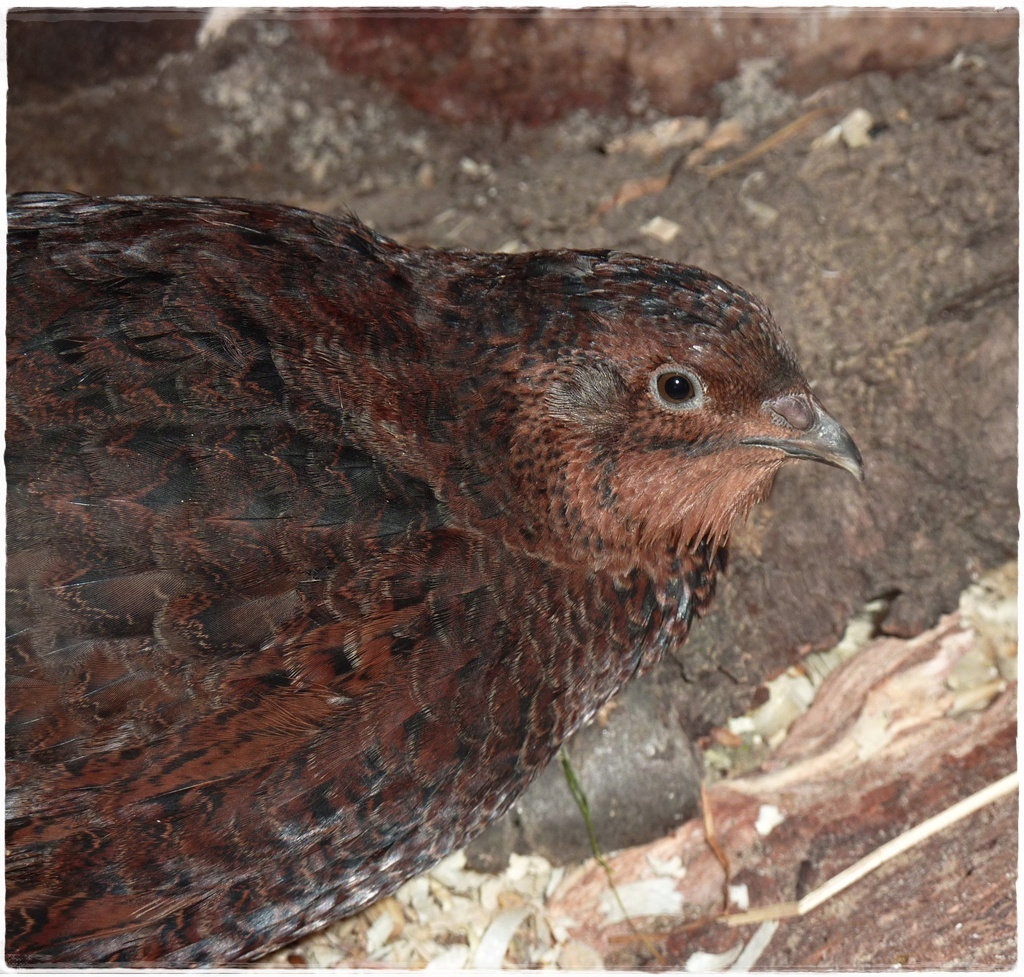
(649, 897)
(713, 963)
(739, 896)
(769, 817)
(757, 944)
(377, 935)
(492, 949)
(661, 229)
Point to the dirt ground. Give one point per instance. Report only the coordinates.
(876, 214)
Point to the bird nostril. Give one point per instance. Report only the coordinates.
(795, 410)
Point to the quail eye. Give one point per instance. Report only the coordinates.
(677, 388)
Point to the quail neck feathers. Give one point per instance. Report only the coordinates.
(319, 546)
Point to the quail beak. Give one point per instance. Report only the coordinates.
(816, 436)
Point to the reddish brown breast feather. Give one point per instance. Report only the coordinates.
(319, 546)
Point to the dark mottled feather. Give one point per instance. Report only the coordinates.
(318, 547)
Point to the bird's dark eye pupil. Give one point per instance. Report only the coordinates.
(676, 387)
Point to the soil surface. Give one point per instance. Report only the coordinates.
(886, 248)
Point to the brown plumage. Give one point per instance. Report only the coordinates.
(319, 546)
